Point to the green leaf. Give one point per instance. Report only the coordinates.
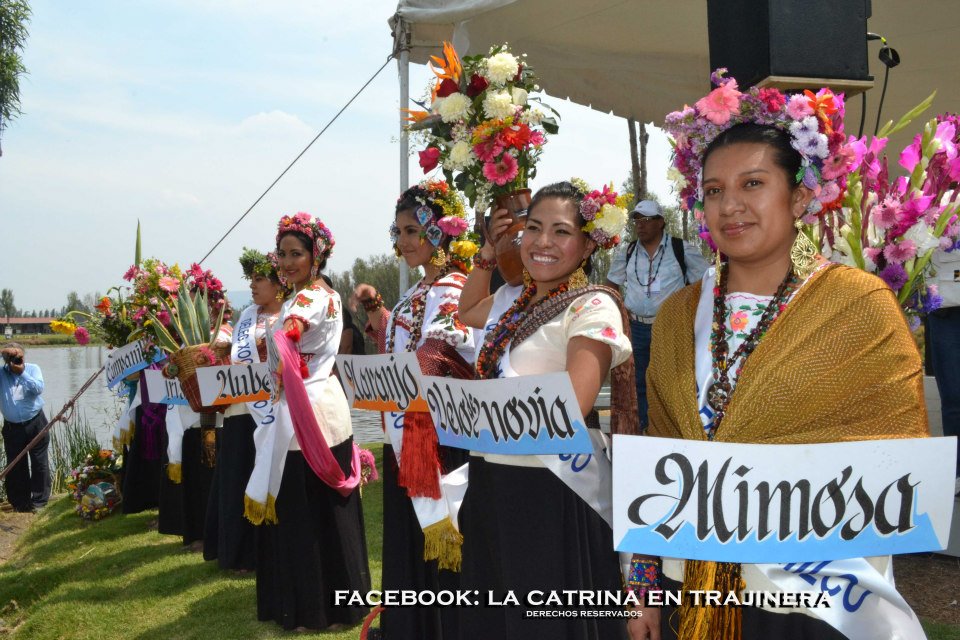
(550, 126)
(136, 255)
(200, 303)
(164, 339)
(889, 129)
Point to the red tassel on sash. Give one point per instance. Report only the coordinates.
(419, 459)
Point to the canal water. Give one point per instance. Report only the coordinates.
(65, 369)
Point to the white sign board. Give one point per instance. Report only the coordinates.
(125, 360)
(230, 384)
(387, 382)
(524, 415)
(781, 503)
(163, 390)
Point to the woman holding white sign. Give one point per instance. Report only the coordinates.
(778, 346)
(421, 545)
(304, 487)
(229, 537)
(542, 522)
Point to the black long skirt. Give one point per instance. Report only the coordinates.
(197, 478)
(230, 538)
(524, 530)
(318, 546)
(757, 624)
(170, 513)
(141, 477)
(403, 563)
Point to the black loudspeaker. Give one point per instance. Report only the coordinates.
(782, 42)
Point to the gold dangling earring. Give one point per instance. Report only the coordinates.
(439, 257)
(578, 279)
(526, 278)
(803, 253)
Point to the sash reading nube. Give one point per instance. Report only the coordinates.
(461, 413)
(244, 382)
(386, 383)
(821, 510)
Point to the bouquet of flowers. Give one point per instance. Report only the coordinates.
(109, 322)
(94, 485)
(483, 127)
(152, 281)
(891, 227)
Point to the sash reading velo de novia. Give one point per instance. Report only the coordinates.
(126, 360)
(754, 503)
(231, 384)
(164, 390)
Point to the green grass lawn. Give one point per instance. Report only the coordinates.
(118, 579)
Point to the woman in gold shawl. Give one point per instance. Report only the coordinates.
(776, 345)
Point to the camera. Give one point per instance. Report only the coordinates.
(17, 360)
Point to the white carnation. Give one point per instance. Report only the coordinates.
(501, 68)
(454, 107)
(498, 104)
(611, 219)
(461, 156)
(519, 96)
(922, 237)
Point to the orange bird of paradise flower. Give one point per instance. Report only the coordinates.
(447, 68)
(823, 106)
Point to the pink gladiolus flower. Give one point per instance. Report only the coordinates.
(81, 335)
(537, 139)
(798, 107)
(501, 172)
(719, 104)
(452, 225)
(873, 253)
(900, 252)
(164, 318)
(138, 314)
(169, 284)
(885, 214)
(131, 273)
(911, 155)
(836, 165)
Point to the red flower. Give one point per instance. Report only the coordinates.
(478, 85)
(446, 88)
(518, 77)
(517, 136)
(429, 158)
(103, 306)
(772, 99)
(488, 150)
(447, 308)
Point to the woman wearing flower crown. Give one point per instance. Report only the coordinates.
(781, 346)
(421, 545)
(542, 522)
(229, 537)
(304, 485)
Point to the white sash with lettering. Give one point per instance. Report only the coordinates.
(589, 476)
(244, 351)
(123, 431)
(864, 603)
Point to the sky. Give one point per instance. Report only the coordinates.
(179, 113)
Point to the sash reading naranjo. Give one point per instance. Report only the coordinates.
(386, 382)
(525, 415)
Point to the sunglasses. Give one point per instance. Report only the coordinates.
(645, 219)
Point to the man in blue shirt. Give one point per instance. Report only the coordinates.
(650, 269)
(28, 487)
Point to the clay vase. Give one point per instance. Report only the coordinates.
(507, 244)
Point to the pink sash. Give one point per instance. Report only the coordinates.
(315, 449)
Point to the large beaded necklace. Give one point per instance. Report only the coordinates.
(496, 340)
(418, 306)
(718, 397)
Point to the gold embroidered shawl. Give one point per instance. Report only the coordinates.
(839, 364)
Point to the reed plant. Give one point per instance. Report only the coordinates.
(69, 445)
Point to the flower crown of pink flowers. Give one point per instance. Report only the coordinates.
(814, 122)
(311, 227)
(605, 219)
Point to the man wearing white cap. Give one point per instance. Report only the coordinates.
(648, 276)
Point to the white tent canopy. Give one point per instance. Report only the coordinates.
(645, 58)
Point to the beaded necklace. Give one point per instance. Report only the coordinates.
(496, 341)
(418, 306)
(651, 273)
(720, 393)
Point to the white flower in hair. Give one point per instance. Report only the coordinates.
(498, 105)
(454, 107)
(501, 68)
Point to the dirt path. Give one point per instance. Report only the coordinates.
(930, 583)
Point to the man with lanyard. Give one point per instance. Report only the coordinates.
(28, 488)
(650, 269)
